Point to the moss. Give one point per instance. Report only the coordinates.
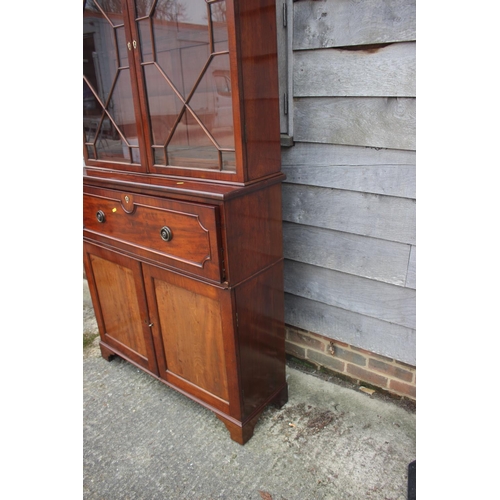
(88, 339)
(301, 362)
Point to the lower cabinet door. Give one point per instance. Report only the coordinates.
(116, 287)
(193, 331)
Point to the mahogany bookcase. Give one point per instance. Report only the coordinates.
(182, 197)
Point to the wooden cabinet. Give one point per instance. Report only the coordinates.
(182, 197)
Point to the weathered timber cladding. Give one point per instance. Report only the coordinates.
(411, 279)
(393, 180)
(383, 217)
(306, 154)
(383, 301)
(374, 335)
(350, 253)
(349, 198)
(387, 71)
(382, 122)
(338, 23)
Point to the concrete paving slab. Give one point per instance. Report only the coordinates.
(143, 440)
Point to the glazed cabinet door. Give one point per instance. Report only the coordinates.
(116, 286)
(193, 333)
(113, 132)
(184, 56)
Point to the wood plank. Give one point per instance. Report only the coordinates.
(411, 279)
(384, 217)
(314, 154)
(375, 299)
(360, 121)
(337, 23)
(393, 180)
(358, 255)
(394, 341)
(388, 71)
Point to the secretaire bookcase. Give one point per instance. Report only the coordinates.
(182, 197)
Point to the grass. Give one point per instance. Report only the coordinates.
(88, 339)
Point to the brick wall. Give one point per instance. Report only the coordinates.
(358, 365)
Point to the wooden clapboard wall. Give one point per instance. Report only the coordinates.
(349, 198)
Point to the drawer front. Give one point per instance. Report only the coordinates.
(180, 234)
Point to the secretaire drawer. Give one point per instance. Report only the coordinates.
(177, 233)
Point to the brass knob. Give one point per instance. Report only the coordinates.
(166, 233)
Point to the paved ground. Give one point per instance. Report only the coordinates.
(143, 440)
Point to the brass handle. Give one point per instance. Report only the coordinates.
(129, 46)
(166, 233)
(134, 43)
(100, 216)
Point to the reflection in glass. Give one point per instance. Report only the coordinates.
(184, 53)
(190, 146)
(108, 110)
(164, 105)
(212, 102)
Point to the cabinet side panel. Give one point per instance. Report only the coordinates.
(253, 233)
(261, 337)
(257, 40)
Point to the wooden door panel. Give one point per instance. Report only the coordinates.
(191, 328)
(115, 283)
(192, 332)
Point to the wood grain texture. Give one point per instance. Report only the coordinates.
(383, 217)
(390, 303)
(261, 337)
(388, 339)
(115, 284)
(372, 258)
(337, 23)
(191, 328)
(194, 228)
(255, 28)
(392, 180)
(387, 72)
(124, 328)
(370, 121)
(315, 154)
(253, 233)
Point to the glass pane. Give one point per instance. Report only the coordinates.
(121, 107)
(185, 62)
(144, 7)
(190, 146)
(212, 101)
(164, 105)
(182, 47)
(159, 156)
(146, 43)
(219, 25)
(229, 162)
(108, 108)
(109, 145)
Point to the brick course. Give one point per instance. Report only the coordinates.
(360, 365)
